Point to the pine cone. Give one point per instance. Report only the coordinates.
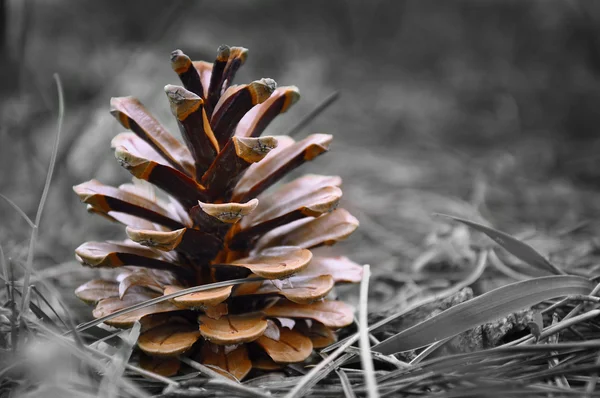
(218, 222)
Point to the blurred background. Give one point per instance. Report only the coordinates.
(482, 109)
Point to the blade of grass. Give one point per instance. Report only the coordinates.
(57, 296)
(309, 117)
(4, 271)
(41, 296)
(14, 319)
(34, 231)
(37, 311)
(19, 210)
(514, 246)
(108, 386)
(483, 309)
(426, 352)
(365, 347)
(505, 269)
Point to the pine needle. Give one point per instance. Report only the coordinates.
(365, 348)
(160, 299)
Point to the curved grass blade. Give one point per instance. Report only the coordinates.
(166, 297)
(38, 217)
(309, 117)
(485, 308)
(514, 246)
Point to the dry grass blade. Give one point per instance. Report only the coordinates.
(505, 269)
(19, 210)
(365, 347)
(484, 308)
(427, 351)
(160, 299)
(4, 270)
(34, 232)
(109, 384)
(320, 108)
(513, 246)
(45, 301)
